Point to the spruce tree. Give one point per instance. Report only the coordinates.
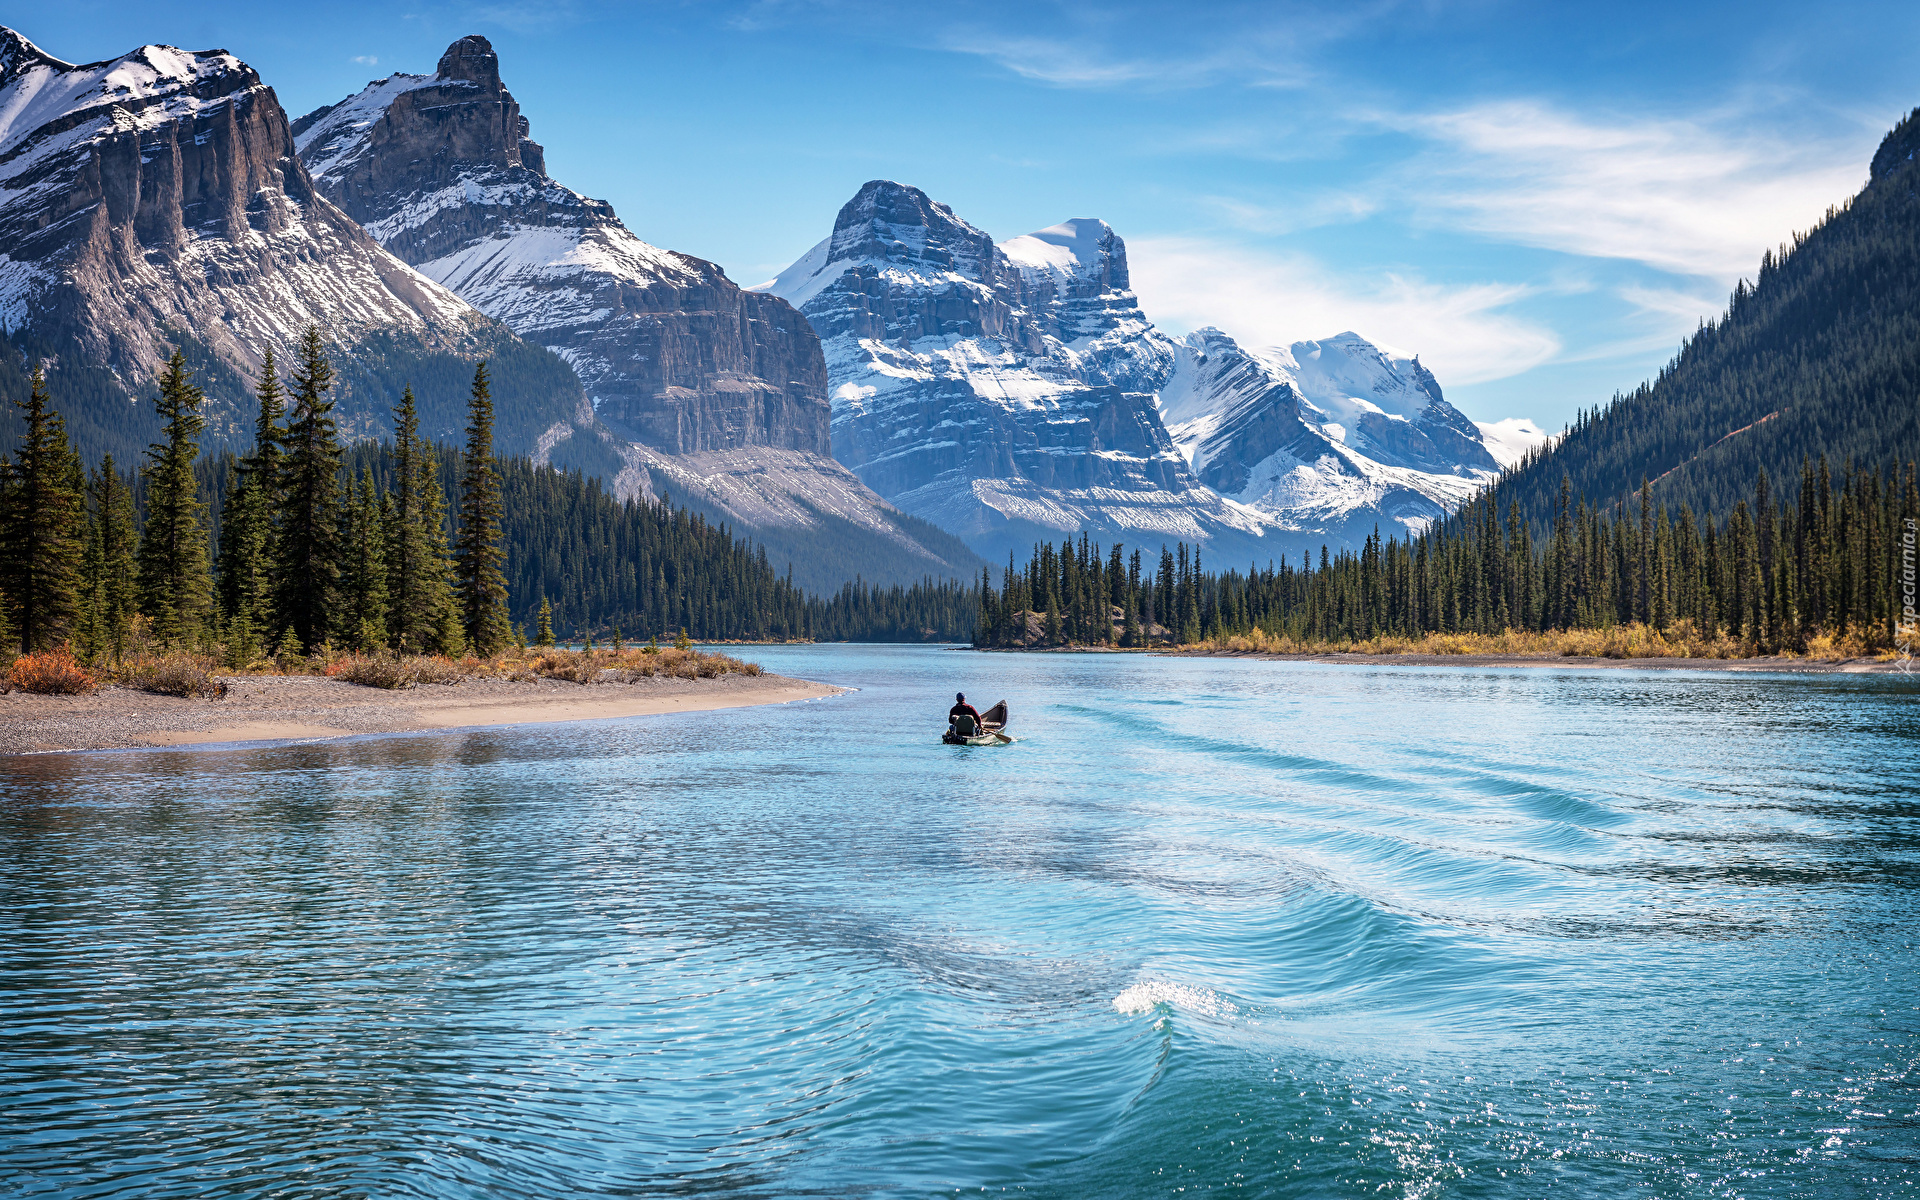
(175, 590)
(363, 573)
(415, 553)
(247, 527)
(42, 526)
(544, 634)
(116, 587)
(307, 557)
(482, 584)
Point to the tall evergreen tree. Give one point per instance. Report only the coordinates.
(247, 526)
(175, 589)
(482, 584)
(116, 586)
(418, 595)
(42, 526)
(363, 574)
(306, 561)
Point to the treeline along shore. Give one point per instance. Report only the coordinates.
(1821, 570)
(303, 548)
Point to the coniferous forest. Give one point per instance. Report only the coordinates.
(405, 546)
(1819, 355)
(1783, 568)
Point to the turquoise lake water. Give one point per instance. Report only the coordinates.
(1209, 926)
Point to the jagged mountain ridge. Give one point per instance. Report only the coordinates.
(1018, 389)
(1329, 437)
(154, 200)
(718, 394)
(1000, 397)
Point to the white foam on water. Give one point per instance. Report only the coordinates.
(1147, 994)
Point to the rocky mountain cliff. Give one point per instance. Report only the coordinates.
(717, 394)
(155, 200)
(1015, 391)
(1007, 396)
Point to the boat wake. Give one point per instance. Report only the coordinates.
(1149, 994)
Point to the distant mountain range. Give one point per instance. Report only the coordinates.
(907, 397)
(1015, 391)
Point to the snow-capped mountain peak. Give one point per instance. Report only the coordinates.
(156, 192)
(1005, 392)
(443, 171)
(1083, 248)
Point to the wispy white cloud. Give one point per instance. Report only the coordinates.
(1256, 45)
(1069, 62)
(1694, 197)
(366, 60)
(1465, 334)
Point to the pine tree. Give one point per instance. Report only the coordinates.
(545, 628)
(43, 526)
(175, 590)
(482, 584)
(307, 551)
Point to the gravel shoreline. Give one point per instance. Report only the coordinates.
(275, 707)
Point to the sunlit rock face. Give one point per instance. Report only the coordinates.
(442, 171)
(155, 200)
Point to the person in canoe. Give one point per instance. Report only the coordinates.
(962, 709)
(967, 726)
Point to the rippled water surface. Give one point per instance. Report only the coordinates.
(1290, 929)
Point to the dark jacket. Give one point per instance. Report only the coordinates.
(957, 709)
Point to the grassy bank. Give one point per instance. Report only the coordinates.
(1679, 640)
(57, 672)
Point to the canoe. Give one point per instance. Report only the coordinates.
(992, 722)
(978, 739)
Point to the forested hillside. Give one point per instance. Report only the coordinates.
(1767, 576)
(650, 569)
(1820, 356)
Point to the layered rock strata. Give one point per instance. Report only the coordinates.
(718, 393)
(155, 200)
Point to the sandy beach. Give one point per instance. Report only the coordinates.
(272, 707)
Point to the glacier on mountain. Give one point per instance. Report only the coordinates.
(1325, 437)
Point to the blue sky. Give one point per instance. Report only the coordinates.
(1540, 200)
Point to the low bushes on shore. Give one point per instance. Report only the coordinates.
(626, 666)
(198, 676)
(50, 673)
(186, 675)
(573, 666)
(395, 671)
